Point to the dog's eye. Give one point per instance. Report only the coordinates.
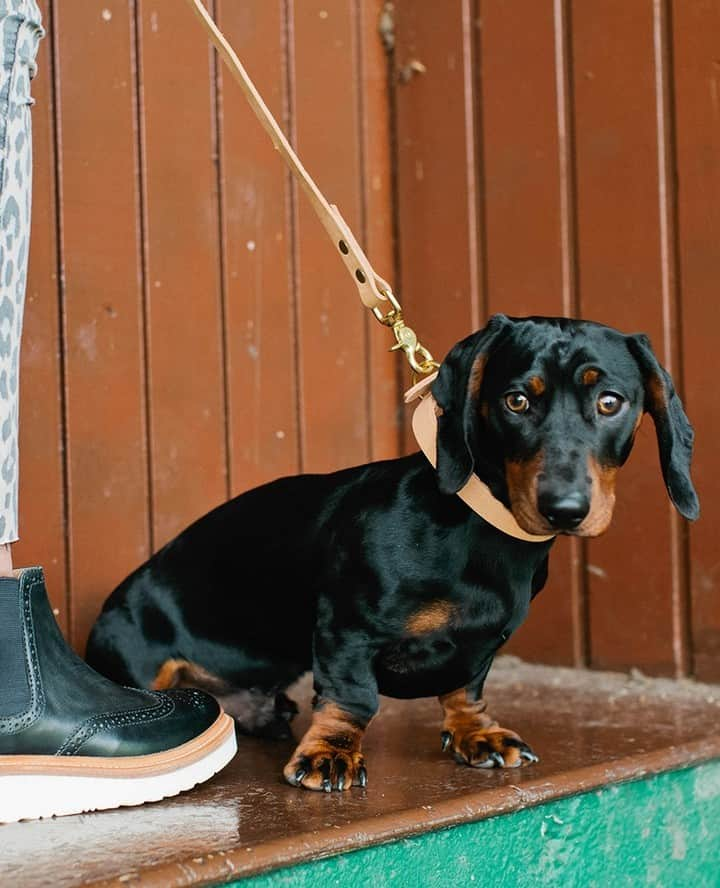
(516, 402)
(609, 403)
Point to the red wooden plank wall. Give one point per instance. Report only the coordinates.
(190, 334)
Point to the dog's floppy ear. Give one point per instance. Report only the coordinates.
(674, 432)
(455, 390)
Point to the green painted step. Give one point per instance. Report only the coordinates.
(661, 831)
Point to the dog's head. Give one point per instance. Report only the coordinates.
(545, 411)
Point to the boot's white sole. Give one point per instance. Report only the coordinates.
(35, 786)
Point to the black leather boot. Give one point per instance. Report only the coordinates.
(72, 741)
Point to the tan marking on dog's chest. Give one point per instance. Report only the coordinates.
(430, 618)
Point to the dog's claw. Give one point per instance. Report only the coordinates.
(326, 771)
(485, 763)
(341, 767)
(445, 740)
(492, 747)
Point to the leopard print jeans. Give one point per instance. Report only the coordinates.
(20, 33)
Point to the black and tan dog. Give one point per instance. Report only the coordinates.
(379, 578)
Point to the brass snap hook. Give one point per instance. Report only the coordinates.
(419, 358)
(407, 341)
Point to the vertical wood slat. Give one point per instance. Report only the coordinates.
(527, 241)
(521, 151)
(695, 30)
(331, 321)
(258, 241)
(437, 172)
(384, 371)
(182, 279)
(621, 255)
(42, 483)
(671, 308)
(102, 318)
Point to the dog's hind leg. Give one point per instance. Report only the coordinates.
(258, 712)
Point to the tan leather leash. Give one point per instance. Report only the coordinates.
(374, 291)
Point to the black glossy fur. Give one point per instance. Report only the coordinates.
(326, 572)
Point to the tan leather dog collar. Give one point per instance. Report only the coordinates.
(476, 494)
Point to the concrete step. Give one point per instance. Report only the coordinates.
(627, 792)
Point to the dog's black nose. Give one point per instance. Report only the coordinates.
(564, 512)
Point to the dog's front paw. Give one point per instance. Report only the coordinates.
(328, 756)
(492, 747)
(322, 766)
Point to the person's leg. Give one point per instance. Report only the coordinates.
(59, 719)
(20, 33)
(6, 562)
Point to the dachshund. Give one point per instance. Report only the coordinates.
(380, 579)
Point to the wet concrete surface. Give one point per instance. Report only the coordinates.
(588, 728)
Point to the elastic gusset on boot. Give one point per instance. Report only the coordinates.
(14, 684)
